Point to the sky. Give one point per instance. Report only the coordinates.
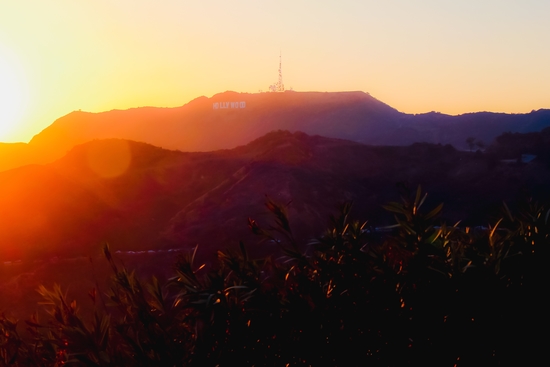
(454, 57)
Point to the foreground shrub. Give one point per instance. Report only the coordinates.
(422, 293)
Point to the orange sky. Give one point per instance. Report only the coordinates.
(57, 56)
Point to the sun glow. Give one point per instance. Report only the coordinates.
(13, 94)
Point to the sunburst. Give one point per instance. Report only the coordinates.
(13, 94)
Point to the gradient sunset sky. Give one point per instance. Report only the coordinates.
(57, 56)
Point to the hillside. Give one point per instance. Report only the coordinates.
(231, 119)
(169, 199)
(150, 203)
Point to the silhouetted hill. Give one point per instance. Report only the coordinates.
(199, 126)
(230, 119)
(515, 145)
(143, 199)
(70, 206)
(484, 126)
(137, 196)
(315, 174)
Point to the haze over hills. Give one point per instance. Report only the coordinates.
(168, 199)
(230, 119)
(149, 201)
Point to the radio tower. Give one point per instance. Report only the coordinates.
(279, 86)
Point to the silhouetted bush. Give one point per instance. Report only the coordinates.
(416, 293)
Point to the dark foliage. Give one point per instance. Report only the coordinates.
(416, 293)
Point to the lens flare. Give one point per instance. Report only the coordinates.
(109, 158)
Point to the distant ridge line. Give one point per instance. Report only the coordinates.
(197, 126)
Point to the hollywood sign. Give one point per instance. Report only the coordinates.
(226, 105)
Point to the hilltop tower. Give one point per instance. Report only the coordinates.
(279, 86)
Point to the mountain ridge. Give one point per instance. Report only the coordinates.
(203, 125)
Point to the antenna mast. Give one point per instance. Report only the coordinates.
(279, 86)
